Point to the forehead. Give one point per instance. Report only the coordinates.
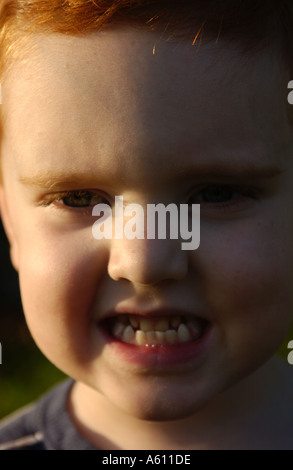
(122, 93)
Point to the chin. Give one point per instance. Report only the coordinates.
(161, 407)
(164, 414)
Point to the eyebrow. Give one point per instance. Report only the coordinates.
(225, 170)
(55, 181)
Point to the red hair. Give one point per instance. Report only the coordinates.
(251, 24)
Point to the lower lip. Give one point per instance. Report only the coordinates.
(158, 357)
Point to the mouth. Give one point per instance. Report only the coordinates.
(150, 331)
(156, 340)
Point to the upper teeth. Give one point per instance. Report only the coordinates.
(142, 331)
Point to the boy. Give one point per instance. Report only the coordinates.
(118, 98)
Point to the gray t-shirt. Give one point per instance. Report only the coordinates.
(44, 425)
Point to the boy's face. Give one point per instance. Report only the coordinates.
(110, 114)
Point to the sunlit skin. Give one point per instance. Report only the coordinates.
(111, 114)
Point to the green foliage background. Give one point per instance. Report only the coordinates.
(25, 373)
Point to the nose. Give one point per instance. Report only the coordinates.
(147, 261)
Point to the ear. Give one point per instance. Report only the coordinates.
(14, 252)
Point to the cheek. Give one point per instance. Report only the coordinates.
(247, 280)
(59, 280)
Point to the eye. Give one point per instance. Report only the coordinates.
(217, 194)
(80, 199)
(224, 197)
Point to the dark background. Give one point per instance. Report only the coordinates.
(24, 373)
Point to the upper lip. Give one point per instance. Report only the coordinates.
(159, 312)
